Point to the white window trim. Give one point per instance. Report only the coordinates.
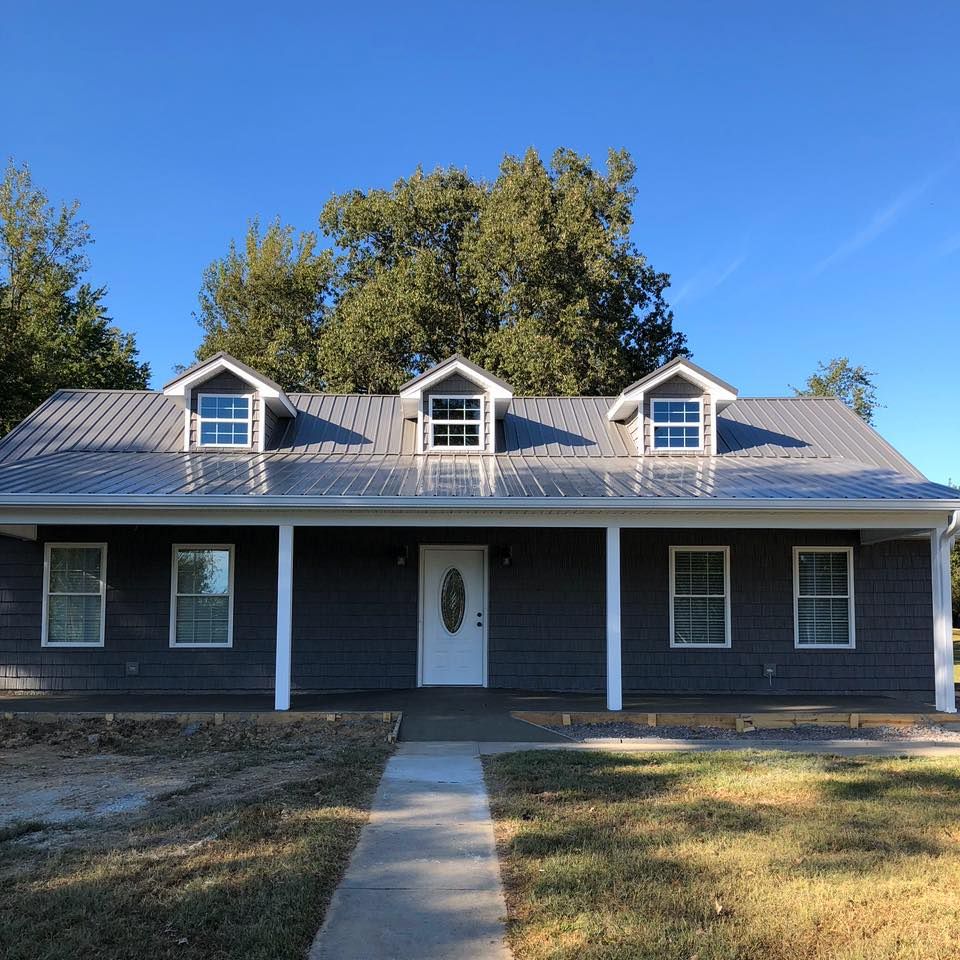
(481, 423)
(229, 547)
(696, 548)
(249, 420)
(675, 423)
(852, 643)
(44, 624)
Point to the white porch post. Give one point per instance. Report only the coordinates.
(284, 618)
(940, 544)
(614, 663)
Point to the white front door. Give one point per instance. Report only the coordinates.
(453, 607)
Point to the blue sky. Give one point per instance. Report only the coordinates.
(799, 164)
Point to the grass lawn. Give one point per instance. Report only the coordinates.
(728, 856)
(237, 861)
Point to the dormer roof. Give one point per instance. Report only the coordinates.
(632, 397)
(499, 391)
(271, 393)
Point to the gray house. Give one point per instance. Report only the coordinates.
(221, 535)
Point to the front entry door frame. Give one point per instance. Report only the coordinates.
(425, 548)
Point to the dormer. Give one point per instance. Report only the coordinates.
(229, 406)
(456, 405)
(673, 411)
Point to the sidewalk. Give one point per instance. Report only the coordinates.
(424, 881)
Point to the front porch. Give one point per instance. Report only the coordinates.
(464, 714)
(579, 615)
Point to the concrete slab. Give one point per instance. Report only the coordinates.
(424, 880)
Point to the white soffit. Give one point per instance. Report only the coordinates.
(271, 394)
(499, 393)
(632, 398)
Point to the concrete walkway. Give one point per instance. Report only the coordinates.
(424, 881)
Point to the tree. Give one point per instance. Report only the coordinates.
(854, 386)
(533, 276)
(265, 304)
(53, 326)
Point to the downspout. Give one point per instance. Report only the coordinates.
(953, 528)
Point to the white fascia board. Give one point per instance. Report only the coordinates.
(410, 398)
(448, 511)
(626, 403)
(275, 399)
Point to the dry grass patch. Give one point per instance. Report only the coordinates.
(728, 856)
(230, 848)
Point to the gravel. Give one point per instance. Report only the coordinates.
(632, 731)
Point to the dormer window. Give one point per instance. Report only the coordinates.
(677, 424)
(456, 422)
(225, 420)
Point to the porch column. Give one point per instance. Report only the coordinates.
(941, 539)
(614, 664)
(284, 618)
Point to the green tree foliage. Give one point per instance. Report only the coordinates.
(264, 303)
(533, 276)
(839, 378)
(53, 326)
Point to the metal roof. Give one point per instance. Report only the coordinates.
(128, 444)
(72, 474)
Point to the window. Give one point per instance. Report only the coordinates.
(699, 596)
(823, 597)
(676, 424)
(74, 594)
(202, 596)
(456, 421)
(224, 420)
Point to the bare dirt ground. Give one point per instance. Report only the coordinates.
(61, 781)
(132, 839)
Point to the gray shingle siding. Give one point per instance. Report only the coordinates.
(894, 623)
(137, 625)
(355, 613)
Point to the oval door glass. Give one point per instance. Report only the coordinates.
(453, 600)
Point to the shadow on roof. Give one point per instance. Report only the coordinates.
(736, 436)
(521, 433)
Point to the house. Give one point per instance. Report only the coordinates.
(222, 535)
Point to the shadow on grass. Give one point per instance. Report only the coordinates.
(245, 881)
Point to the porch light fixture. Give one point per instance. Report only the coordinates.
(403, 554)
(506, 557)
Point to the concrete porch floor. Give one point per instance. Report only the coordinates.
(457, 713)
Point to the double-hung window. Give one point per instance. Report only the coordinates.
(823, 597)
(699, 596)
(677, 424)
(202, 596)
(74, 594)
(224, 420)
(456, 422)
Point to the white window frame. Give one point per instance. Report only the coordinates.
(675, 423)
(45, 625)
(481, 423)
(851, 644)
(696, 548)
(249, 420)
(230, 548)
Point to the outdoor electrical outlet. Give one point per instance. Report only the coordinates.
(133, 668)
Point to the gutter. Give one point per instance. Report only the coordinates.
(254, 502)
